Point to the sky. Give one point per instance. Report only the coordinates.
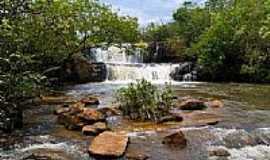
(158, 11)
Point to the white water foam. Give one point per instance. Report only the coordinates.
(59, 146)
(259, 152)
(125, 68)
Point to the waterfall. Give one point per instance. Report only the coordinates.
(124, 67)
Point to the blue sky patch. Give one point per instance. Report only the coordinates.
(158, 11)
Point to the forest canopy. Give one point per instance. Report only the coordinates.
(229, 38)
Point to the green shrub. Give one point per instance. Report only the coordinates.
(144, 101)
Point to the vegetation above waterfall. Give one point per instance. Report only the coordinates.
(36, 36)
(229, 38)
(144, 101)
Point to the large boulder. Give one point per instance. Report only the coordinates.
(109, 144)
(80, 69)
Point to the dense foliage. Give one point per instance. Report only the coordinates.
(143, 101)
(38, 35)
(229, 38)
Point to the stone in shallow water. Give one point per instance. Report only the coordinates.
(202, 118)
(136, 154)
(219, 152)
(56, 100)
(191, 104)
(176, 139)
(90, 114)
(76, 108)
(94, 129)
(109, 144)
(174, 117)
(214, 104)
(90, 100)
(110, 111)
(61, 110)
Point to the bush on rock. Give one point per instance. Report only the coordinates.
(144, 101)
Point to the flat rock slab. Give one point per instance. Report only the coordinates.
(109, 144)
(94, 129)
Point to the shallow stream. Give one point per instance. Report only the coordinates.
(244, 130)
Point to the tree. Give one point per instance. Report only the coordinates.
(37, 35)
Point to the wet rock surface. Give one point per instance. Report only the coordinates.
(136, 154)
(109, 144)
(214, 104)
(90, 101)
(94, 129)
(219, 152)
(191, 104)
(170, 118)
(176, 139)
(79, 69)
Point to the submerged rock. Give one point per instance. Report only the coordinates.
(191, 104)
(61, 111)
(219, 152)
(214, 104)
(136, 154)
(170, 118)
(94, 129)
(202, 118)
(109, 144)
(176, 139)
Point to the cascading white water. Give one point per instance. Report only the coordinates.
(126, 67)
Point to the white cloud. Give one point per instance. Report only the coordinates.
(146, 10)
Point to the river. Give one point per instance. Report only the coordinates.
(244, 130)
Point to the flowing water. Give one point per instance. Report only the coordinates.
(244, 130)
(123, 67)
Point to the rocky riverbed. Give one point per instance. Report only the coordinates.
(234, 124)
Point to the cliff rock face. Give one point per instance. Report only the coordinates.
(81, 70)
(187, 71)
